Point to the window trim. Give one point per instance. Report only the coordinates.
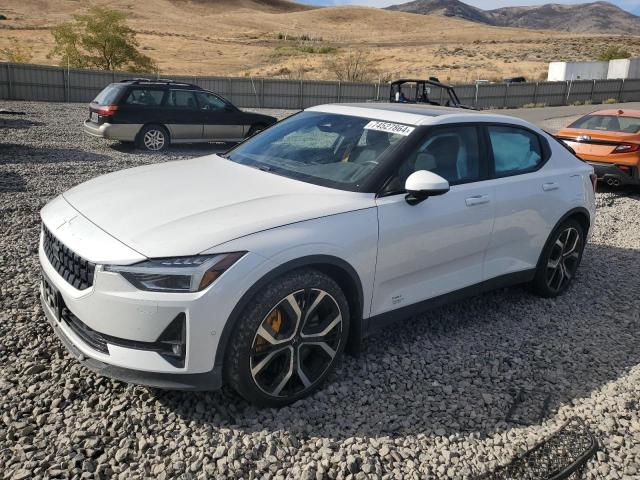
(484, 150)
(545, 150)
(181, 109)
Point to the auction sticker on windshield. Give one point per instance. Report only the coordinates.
(396, 128)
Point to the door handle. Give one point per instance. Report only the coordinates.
(547, 187)
(477, 200)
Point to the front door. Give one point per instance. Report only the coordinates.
(438, 245)
(221, 120)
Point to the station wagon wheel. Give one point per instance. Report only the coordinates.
(289, 349)
(154, 138)
(560, 260)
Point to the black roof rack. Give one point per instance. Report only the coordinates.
(162, 81)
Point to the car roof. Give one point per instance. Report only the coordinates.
(415, 114)
(618, 111)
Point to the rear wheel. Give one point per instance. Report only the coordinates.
(288, 339)
(154, 138)
(560, 260)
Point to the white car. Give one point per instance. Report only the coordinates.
(256, 268)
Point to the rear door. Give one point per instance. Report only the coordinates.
(140, 105)
(222, 121)
(182, 116)
(438, 245)
(530, 197)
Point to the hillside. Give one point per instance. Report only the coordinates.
(596, 17)
(276, 38)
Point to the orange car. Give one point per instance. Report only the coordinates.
(610, 141)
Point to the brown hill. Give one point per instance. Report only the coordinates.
(281, 39)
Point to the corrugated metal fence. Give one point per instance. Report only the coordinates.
(57, 84)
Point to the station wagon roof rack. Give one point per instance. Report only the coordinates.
(163, 81)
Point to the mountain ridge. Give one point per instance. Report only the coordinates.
(592, 17)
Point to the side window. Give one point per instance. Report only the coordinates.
(515, 150)
(451, 152)
(182, 99)
(207, 101)
(144, 97)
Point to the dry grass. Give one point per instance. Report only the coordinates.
(237, 37)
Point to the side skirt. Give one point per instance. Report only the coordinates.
(382, 320)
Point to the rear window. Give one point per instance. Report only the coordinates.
(145, 97)
(611, 123)
(515, 150)
(109, 95)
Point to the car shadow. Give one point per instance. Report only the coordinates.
(12, 182)
(465, 367)
(194, 149)
(13, 153)
(18, 123)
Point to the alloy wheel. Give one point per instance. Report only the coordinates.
(564, 259)
(154, 139)
(296, 342)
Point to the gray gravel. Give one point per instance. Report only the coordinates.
(426, 399)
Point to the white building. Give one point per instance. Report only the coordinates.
(623, 68)
(561, 71)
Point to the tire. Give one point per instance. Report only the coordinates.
(154, 138)
(255, 129)
(559, 260)
(288, 339)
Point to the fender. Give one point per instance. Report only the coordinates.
(307, 261)
(570, 213)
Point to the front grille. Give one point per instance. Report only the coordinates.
(72, 267)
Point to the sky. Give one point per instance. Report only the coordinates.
(630, 5)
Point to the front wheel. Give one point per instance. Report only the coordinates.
(154, 138)
(288, 339)
(560, 260)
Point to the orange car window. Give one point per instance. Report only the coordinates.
(611, 123)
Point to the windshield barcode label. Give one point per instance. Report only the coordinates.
(396, 128)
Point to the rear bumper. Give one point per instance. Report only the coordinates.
(211, 380)
(612, 174)
(126, 132)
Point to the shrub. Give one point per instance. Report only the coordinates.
(610, 101)
(614, 52)
(16, 54)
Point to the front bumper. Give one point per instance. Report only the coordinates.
(122, 322)
(125, 132)
(610, 173)
(211, 380)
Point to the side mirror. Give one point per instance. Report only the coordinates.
(424, 184)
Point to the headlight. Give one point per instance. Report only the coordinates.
(180, 274)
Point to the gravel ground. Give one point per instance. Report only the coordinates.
(428, 398)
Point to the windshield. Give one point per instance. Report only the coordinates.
(109, 95)
(611, 123)
(337, 151)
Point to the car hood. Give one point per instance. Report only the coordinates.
(186, 207)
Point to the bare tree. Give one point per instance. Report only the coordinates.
(355, 66)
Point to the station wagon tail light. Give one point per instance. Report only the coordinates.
(627, 148)
(594, 181)
(179, 274)
(106, 110)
